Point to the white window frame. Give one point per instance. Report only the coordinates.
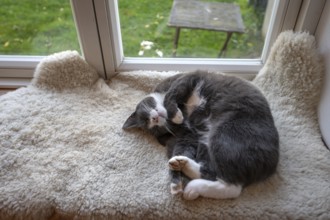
(97, 22)
(180, 64)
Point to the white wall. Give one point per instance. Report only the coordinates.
(323, 39)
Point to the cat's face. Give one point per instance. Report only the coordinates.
(149, 113)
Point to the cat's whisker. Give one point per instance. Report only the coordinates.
(169, 130)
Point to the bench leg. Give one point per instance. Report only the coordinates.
(176, 41)
(224, 47)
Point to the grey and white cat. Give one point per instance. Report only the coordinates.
(218, 129)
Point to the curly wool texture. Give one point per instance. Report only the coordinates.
(64, 155)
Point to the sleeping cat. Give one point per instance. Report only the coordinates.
(218, 129)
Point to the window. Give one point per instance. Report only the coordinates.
(278, 15)
(40, 27)
(105, 44)
(30, 30)
(192, 28)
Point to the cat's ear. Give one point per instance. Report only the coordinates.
(131, 122)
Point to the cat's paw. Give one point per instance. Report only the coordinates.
(178, 162)
(176, 188)
(186, 165)
(190, 191)
(178, 117)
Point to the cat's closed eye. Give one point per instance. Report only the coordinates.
(146, 121)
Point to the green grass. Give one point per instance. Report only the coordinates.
(42, 27)
(37, 27)
(147, 20)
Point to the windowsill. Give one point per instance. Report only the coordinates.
(13, 83)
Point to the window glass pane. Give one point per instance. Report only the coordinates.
(37, 27)
(149, 28)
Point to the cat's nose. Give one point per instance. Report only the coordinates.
(155, 119)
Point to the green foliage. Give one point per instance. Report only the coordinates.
(146, 20)
(38, 27)
(41, 27)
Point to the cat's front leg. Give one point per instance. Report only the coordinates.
(178, 117)
(186, 165)
(174, 113)
(176, 183)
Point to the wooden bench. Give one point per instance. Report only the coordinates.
(214, 16)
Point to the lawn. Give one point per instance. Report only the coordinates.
(42, 27)
(146, 20)
(38, 27)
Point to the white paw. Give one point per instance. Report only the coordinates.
(176, 188)
(178, 162)
(178, 118)
(190, 192)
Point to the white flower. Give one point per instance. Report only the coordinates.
(159, 53)
(159, 16)
(147, 45)
(141, 52)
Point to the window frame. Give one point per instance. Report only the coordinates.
(97, 23)
(235, 66)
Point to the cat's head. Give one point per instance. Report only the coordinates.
(149, 114)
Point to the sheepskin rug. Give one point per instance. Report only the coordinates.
(64, 155)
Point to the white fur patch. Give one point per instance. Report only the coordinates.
(162, 112)
(158, 115)
(211, 189)
(188, 166)
(178, 118)
(176, 188)
(158, 97)
(195, 99)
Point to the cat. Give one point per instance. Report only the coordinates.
(218, 129)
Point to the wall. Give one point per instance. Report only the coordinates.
(323, 39)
